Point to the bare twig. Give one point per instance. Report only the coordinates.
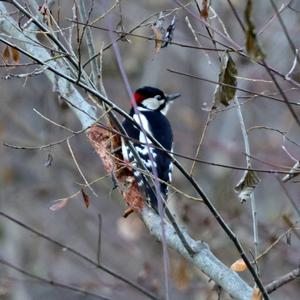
(80, 255)
(51, 282)
(237, 88)
(252, 197)
(276, 284)
(79, 169)
(286, 33)
(99, 239)
(288, 195)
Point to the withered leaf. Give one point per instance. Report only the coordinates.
(158, 38)
(257, 295)
(223, 93)
(6, 54)
(15, 55)
(205, 9)
(49, 160)
(252, 46)
(59, 204)
(295, 170)
(86, 198)
(246, 185)
(238, 266)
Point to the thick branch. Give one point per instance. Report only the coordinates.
(203, 259)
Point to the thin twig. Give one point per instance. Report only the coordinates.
(286, 33)
(288, 195)
(236, 15)
(80, 255)
(214, 164)
(54, 123)
(51, 282)
(79, 169)
(228, 85)
(276, 284)
(286, 100)
(99, 239)
(268, 249)
(252, 197)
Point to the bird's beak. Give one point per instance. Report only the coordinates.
(172, 97)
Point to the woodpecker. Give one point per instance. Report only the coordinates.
(149, 111)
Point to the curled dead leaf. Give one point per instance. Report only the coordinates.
(246, 185)
(6, 54)
(86, 198)
(238, 266)
(59, 204)
(205, 9)
(257, 295)
(252, 46)
(225, 93)
(158, 37)
(15, 56)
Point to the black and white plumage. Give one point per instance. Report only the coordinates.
(149, 112)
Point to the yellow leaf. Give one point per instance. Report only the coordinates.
(257, 295)
(6, 55)
(15, 55)
(238, 266)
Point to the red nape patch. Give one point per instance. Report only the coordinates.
(138, 98)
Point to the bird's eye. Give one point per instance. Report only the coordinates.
(158, 97)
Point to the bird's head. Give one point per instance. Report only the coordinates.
(150, 98)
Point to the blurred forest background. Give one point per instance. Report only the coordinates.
(31, 180)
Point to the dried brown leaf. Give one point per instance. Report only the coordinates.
(86, 198)
(247, 184)
(252, 46)
(238, 266)
(158, 38)
(257, 295)
(224, 94)
(15, 55)
(98, 138)
(59, 204)
(133, 197)
(104, 142)
(205, 9)
(6, 54)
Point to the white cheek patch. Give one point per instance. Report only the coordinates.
(152, 103)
